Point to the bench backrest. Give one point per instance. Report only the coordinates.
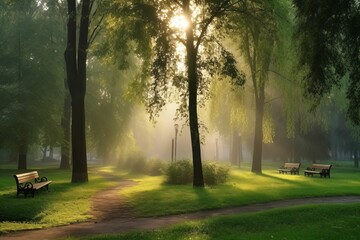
(321, 166)
(26, 177)
(292, 165)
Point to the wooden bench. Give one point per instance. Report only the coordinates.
(25, 186)
(292, 168)
(322, 169)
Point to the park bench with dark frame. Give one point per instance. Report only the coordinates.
(292, 168)
(322, 169)
(25, 186)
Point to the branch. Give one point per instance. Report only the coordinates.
(96, 31)
(282, 76)
(222, 8)
(271, 100)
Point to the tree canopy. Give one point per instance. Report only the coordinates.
(328, 37)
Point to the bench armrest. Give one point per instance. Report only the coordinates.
(43, 179)
(27, 185)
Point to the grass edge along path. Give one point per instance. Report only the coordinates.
(115, 226)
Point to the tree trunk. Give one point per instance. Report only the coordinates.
(356, 159)
(51, 153)
(241, 157)
(65, 124)
(258, 137)
(22, 162)
(44, 150)
(76, 77)
(79, 170)
(191, 51)
(235, 148)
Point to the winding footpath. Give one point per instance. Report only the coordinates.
(113, 216)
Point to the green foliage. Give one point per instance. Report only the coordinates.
(329, 42)
(31, 73)
(215, 173)
(181, 172)
(108, 109)
(146, 27)
(137, 163)
(155, 167)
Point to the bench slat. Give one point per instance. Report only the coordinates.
(41, 184)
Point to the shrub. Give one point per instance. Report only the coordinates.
(154, 167)
(181, 172)
(137, 163)
(215, 173)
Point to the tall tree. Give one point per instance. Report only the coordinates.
(30, 74)
(75, 58)
(76, 55)
(258, 32)
(181, 33)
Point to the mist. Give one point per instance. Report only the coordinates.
(155, 139)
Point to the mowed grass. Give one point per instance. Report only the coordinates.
(331, 221)
(68, 203)
(65, 202)
(152, 197)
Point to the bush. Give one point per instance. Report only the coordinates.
(155, 167)
(215, 173)
(137, 163)
(181, 172)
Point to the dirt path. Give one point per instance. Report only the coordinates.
(113, 216)
(109, 204)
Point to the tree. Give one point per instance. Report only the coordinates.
(76, 55)
(75, 58)
(328, 37)
(30, 74)
(258, 34)
(193, 45)
(229, 115)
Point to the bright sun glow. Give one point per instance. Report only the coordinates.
(179, 22)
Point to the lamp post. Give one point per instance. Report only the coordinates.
(176, 126)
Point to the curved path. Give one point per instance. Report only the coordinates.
(109, 222)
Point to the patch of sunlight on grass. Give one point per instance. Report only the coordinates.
(51, 215)
(13, 226)
(145, 183)
(107, 169)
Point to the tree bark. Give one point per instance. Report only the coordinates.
(76, 77)
(241, 157)
(191, 51)
(258, 137)
(235, 149)
(65, 124)
(79, 170)
(22, 162)
(356, 158)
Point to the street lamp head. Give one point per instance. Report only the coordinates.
(176, 126)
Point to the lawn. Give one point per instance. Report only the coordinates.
(151, 197)
(68, 203)
(332, 221)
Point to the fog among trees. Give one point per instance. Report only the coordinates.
(233, 81)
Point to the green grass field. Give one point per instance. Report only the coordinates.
(333, 222)
(68, 203)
